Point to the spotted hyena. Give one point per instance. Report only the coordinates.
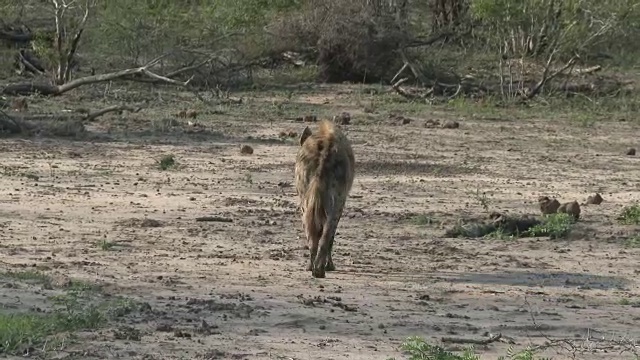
(324, 175)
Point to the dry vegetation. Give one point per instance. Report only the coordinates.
(148, 207)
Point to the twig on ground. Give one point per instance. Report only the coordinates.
(456, 340)
(214, 219)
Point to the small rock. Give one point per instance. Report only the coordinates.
(19, 105)
(310, 118)
(571, 208)
(594, 199)
(191, 114)
(406, 121)
(432, 123)
(450, 124)
(547, 205)
(342, 119)
(631, 152)
(246, 150)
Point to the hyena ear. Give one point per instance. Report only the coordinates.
(305, 134)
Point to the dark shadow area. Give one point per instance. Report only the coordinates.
(555, 279)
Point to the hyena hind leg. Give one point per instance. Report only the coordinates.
(324, 246)
(330, 265)
(312, 244)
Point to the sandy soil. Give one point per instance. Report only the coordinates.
(395, 279)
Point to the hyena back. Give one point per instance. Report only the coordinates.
(324, 176)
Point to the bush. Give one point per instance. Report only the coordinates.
(353, 42)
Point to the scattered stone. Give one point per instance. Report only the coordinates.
(19, 104)
(594, 199)
(571, 208)
(547, 205)
(164, 327)
(150, 223)
(191, 114)
(399, 119)
(310, 118)
(342, 119)
(293, 134)
(631, 152)
(450, 124)
(246, 150)
(432, 123)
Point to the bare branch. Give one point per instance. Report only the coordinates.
(94, 115)
(74, 46)
(54, 90)
(546, 77)
(165, 79)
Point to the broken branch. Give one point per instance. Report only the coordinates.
(214, 219)
(93, 115)
(455, 340)
(55, 90)
(546, 77)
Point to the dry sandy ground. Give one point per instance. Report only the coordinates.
(395, 279)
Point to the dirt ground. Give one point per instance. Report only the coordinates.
(60, 199)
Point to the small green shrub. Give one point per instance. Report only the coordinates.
(167, 162)
(554, 226)
(630, 215)
(417, 349)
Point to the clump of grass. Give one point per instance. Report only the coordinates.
(417, 349)
(555, 226)
(167, 162)
(29, 276)
(76, 309)
(107, 245)
(512, 227)
(421, 220)
(630, 215)
(633, 242)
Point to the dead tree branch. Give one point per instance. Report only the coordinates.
(455, 340)
(55, 90)
(546, 77)
(94, 115)
(409, 95)
(28, 63)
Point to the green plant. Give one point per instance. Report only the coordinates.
(79, 308)
(554, 226)
(417, 349)
(630, 215)
(421, 220)
(107, 245)
(29, 276)
(633, 242)
(167, 162)
(482, 199)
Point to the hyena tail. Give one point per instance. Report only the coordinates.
(319, 201)
(316, 214)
